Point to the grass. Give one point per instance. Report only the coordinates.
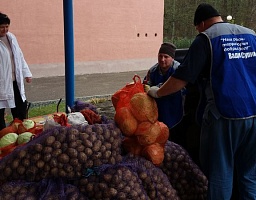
(40, 110)
(52, 108)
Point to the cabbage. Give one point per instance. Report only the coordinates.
(28, 124)
(8, 139)
(24, 137)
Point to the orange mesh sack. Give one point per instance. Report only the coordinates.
(122, 97)
(154, 153)
(143, 128)
(131, 145)
(164, 135)
(150, 135)
(144, 107)
(137, 118)
(126, 121)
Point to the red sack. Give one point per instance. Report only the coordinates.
(15, 124)
(7, 149)
(91, 117)
(22, 128)
(122, 97)
(6, 130)
(61, 119)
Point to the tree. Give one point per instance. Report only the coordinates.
(179, 14)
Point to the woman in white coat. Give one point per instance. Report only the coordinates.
(13, 71)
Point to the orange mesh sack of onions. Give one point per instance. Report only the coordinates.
(137, 117)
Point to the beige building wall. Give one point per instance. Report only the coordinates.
(109, 35)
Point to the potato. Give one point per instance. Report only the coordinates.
(22, 153)
(56, 144)
(15, 164)
(49, 140)
(63, 158)
(21, 170)
(82, 157)
(38, 147)
(56, 152)
(88, 151)
(88, 143)
(47, 157)
(83, 136)
(72, 153)
(47, 149)
(25, 162)
(80, 148)
(96, 145)
(61, 137)
(40, 164)
(73, 161)
(35, 157)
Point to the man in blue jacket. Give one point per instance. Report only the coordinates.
(170, 107)
(223, 57)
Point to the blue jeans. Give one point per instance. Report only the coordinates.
(227, 145)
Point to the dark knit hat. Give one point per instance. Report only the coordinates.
(168, 48)
(203, 12)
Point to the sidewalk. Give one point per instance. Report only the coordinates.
(106, 80)
(88, 85)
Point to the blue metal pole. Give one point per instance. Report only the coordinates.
(69, 52)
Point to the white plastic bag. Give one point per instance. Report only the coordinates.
(76, 118)
(50, 123)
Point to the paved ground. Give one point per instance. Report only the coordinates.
(47, 86)
(53, 88)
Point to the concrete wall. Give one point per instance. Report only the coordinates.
(109, 35)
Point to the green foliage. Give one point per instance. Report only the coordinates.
(181, 43)
(45, 110)
(179, 16)
(41, 110)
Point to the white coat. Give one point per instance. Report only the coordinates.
(21, 69)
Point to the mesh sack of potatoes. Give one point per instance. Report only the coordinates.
(81, 106)
(112, 182)
(50, 189)
(154, 181)
(184, 175)
(63, 152)
(133, 178)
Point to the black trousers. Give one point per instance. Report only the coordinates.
(20, 111)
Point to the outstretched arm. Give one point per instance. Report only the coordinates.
(171, 86)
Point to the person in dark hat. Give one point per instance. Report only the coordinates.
(203, 12)
(222, 61)
(170, 108)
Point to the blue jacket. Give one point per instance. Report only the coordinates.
(170, 107)
(233, 73)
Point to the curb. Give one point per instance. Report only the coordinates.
(57, 101)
